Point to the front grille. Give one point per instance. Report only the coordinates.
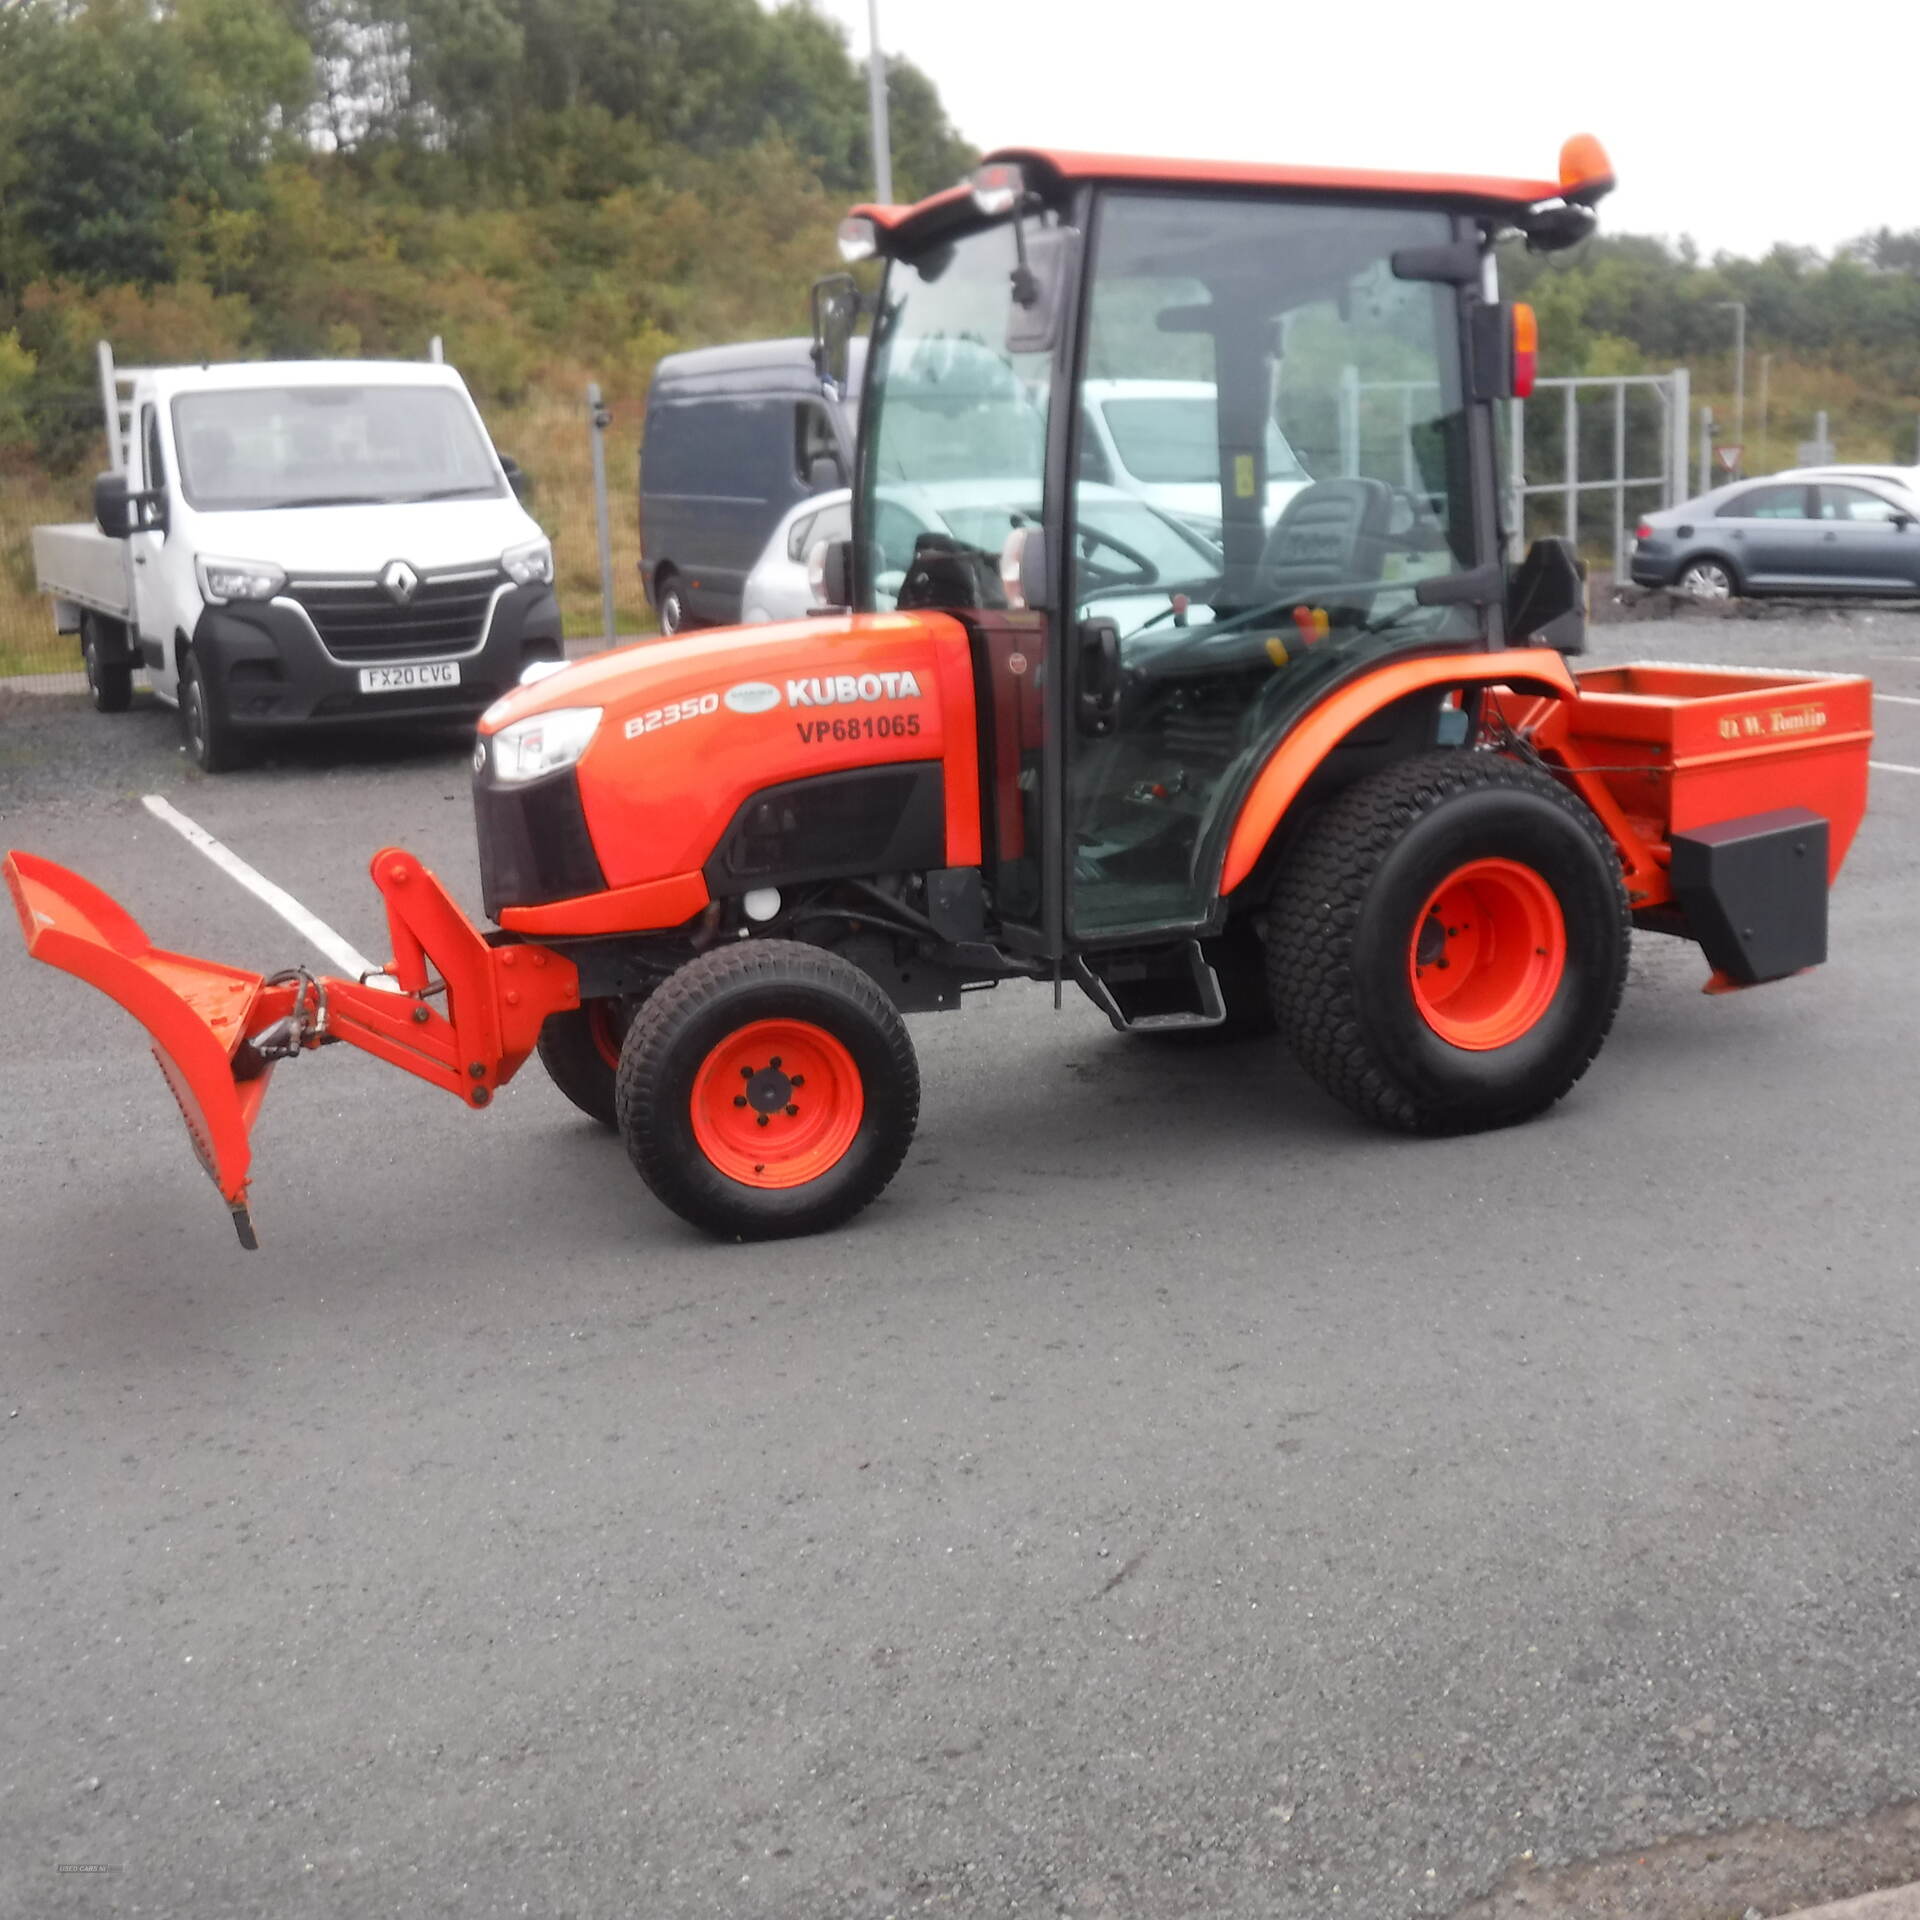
(359, 620)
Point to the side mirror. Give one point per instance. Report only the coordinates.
(518, 478)
(1042, 287)
(830, 573)
(1547, 597)
(836, 307)
(120, 510)
(824, 474)
(1901, 522)
(113, 506)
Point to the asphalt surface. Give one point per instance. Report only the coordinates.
(1171, 1499)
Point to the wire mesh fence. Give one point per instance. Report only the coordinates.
(50, 454)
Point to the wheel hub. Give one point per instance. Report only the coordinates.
(1488, 954)
(777, 1103)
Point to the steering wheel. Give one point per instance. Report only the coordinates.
(1091, 540)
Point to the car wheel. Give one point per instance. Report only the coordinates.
(211, 738)
(109, 680)
(1706, 579)
(672, 605)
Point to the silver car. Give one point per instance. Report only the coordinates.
(1792, 533)
(777, 587)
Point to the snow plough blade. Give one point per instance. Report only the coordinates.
(196, 1012)
(217, 1030)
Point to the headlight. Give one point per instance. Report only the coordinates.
(543, 744)
(531, 565)
(223, 580)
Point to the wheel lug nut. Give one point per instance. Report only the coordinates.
(746, 1073)
(774, 1063)
(793, 1113)
(799, 1079)
(739, 1099)
(762, 1119)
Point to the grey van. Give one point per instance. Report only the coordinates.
(734, 437)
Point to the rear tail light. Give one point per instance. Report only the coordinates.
(1526, 349)
(1644, 531)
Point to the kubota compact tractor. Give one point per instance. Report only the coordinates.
(1269, 735)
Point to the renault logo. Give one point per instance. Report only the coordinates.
(400, 581)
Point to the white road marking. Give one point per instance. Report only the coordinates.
(1898, 699)
(1891, 766)
(344, 955)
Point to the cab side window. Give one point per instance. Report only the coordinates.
(156, 463)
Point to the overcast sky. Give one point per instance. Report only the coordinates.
(1740, 123)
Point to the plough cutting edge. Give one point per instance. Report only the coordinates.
(217, 1031)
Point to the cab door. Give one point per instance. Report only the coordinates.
(1192, 654)
(1770, 535)
(1866, 540)
(153, 611)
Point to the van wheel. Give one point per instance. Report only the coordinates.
(212, 739)
(109, 679)
(672, 604)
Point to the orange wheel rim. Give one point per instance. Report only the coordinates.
(777, 1103)
(603, 1023)
(1488, 954)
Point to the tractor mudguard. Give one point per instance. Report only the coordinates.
(217, 1030)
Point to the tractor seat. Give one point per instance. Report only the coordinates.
(1329, 535)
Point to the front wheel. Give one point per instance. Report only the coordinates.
(768, 1088)
(580, 1050)
(109, 672)
(213, 741)
(1448, 944)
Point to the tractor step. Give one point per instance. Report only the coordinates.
(1153, 988)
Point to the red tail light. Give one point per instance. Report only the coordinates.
(1526, 349)
(1644, 531)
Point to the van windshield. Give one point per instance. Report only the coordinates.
(1175, 439)
(253, 448)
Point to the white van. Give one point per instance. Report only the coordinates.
(284, 543)
(1161, 440)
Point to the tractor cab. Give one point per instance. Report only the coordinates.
(1337, 352)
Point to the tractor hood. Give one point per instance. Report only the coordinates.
(666, 742)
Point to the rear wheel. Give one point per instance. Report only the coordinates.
(1448, 944)
(212, 739)
(768, 1088)
(671, 601)
(580, 1050)
(109, 672)
(1707, 579)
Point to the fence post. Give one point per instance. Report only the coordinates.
(1572, 463)
(598, 420)
(1619, 482)
(1680, 413)
(1517, 479)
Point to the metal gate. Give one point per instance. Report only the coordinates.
(1600, 441)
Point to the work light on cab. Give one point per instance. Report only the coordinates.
(857, 238)
(998, 187)
(544, 743)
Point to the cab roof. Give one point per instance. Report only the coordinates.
(1056, 167)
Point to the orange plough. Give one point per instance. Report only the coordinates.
(218, 1031)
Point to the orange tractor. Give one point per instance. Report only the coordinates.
(1261, 731)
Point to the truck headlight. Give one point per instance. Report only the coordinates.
(529, 566)
(544, 743)
(224, 580)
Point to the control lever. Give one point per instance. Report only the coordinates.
(1097, 675)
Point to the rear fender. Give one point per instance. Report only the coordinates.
(1306, 745)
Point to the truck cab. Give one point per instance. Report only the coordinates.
(314, 542)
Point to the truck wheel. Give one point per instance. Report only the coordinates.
(109, 677)
(768, 1088)
(671, 603)
(580, 1050)
(1448, 944)
(211, 737)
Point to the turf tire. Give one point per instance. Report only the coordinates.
(1344, 915)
